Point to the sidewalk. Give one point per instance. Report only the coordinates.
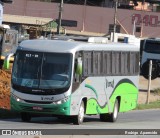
(143, 89)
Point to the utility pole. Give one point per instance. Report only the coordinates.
(84, 14)
(60, 17)
(134, 24)
(115, 20)
(142, 14)
(149, 81)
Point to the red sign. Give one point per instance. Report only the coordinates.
(147, 20)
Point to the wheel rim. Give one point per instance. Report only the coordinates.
(81, 114)
(115, 112)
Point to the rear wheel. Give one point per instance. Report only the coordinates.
(26, 117)
(113, 116)
(155, 70)
(78, 119)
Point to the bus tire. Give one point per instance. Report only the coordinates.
(145, 70)
(1, 64)
(25, 117)
(113, 116)
(78, 119)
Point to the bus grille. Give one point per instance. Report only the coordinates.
(38, 102)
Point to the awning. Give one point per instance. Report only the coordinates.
(25, 19)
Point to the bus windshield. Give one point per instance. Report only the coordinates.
(41, 70)
(152, 46)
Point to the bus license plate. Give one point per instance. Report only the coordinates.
(37, 108)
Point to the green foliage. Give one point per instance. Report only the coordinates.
(151, 105)
(156, 91)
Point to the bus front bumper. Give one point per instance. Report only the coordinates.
(55, 109)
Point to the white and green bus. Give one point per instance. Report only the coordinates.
(74, 79)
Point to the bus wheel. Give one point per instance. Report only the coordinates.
(145, 70)
(78, 119)
(113, 116)
(1, 64)
(26, 117)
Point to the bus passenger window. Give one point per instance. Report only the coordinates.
(75, 75)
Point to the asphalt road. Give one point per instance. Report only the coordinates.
(146, 119)
(137, 119)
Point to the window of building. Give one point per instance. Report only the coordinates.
(138, 29)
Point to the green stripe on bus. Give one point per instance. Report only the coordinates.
(90, 87)
(128, 93)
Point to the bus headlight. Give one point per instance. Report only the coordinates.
(16, 98)
(61, 101)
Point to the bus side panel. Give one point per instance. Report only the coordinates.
(91, 89)
(128, 95)
(125, 90)
(101, 93)
(93, 107)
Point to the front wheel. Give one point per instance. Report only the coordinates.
(78, 119)
(1, 64)
(26, 117)
(113, 116)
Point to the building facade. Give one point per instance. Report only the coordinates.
(88, 19)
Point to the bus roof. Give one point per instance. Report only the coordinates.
(153, 39)
(60, 46)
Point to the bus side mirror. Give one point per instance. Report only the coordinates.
(79, 66)
(6, 63)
